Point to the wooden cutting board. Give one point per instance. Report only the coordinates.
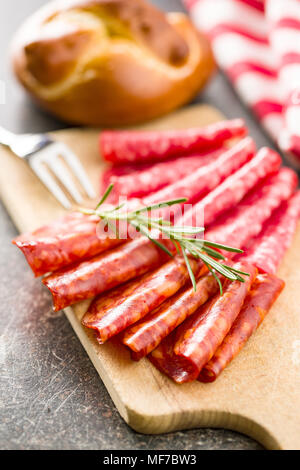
(258, 394)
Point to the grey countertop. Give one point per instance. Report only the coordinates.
(51, 396)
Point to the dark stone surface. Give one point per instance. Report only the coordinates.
(51, 396)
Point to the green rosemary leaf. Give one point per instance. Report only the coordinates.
(146, 232)
(219, 267)
(237, 271)
(159, 205)
(113, 228)
(213, 253)
(198, 248)
(216, 277)
(185, 230)
(222, 247)
(159, 221)
(239, 278)
(190, 271)
(115, 209)
(105, 196)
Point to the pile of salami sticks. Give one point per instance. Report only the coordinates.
(145, 296)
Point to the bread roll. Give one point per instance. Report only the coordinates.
(110, 62)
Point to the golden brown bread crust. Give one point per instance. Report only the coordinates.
(110, 62)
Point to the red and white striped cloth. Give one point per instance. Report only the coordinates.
(257, 44)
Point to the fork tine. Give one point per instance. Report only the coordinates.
(78, 170)
(44, 175)
(63, 176)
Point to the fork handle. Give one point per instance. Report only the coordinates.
(6, 137)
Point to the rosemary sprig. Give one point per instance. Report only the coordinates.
(180, 236)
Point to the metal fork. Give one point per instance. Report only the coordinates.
(41, 151)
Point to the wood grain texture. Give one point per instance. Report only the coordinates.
(258, 394)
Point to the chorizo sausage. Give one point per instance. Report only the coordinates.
(264, 291)
(88, 287)
(141, 146)
(234, 188)
(54, 246)
(112, 174)
(75, 238)
(183, 355)
(198, 183)
(83, 281)
(268, 248)
(147, 334)
(140, 182)
(92, 277)
(138, 299)
(246, 220)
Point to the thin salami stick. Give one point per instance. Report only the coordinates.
(198, 184)
(101, 273)
(243, 223)
(267, 250)
(62, 285)
(142, 182)
(146, 335)
(143, 146)
(72, 238)
(138, 299)
(58, 283)
(113, 173)
(246, 220)
(237, 228)
(234, 188)
(183, 355)
(264, 291)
